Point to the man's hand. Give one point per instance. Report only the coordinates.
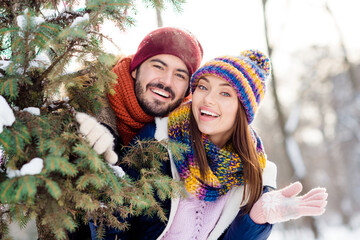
(98, 136)
(283, 205)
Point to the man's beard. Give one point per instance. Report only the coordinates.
(154, 108)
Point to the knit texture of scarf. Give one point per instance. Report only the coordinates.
(226, 167)
(130, 116)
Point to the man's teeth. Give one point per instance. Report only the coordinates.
(161, 93)
(209, 113)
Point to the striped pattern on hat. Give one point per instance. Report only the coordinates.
(247, 74)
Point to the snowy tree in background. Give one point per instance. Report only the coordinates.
(48, 172)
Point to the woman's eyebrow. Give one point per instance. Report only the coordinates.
(221, 84)
(204, 78)
(225, 84)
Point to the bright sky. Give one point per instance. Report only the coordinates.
(230, 26)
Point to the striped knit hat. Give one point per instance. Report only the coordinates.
(246, 73)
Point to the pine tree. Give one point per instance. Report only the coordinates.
(39, 40)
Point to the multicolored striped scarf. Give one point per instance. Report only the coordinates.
(226, 167)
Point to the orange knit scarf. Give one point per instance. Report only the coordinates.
(130, 116)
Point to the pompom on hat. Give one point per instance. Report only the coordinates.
(247, 74)
(173, 41)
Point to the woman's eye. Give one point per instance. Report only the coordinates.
(225, 94)
(202, 87)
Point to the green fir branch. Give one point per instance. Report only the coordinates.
(76, 184)
(21, 136)
(22, 215)
(4, 31)
(55, 146)
(90, 179)
(26, 188)
(87, 203)
(56, 61)
(60, 164)
(161, 4)
(88, 157)
(5, 140)
(69, 223)
(7, 188)
(9, 87)
(52, 187)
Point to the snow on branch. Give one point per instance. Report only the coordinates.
(7, 117)
(33, 167)
(80, 20)
(22, 23)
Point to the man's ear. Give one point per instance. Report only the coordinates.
(133, 73)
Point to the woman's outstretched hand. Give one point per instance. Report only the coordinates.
(284, 204)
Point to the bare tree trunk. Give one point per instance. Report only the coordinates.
(354, 89)
(158, 17)
(287, 135)
(350, 67)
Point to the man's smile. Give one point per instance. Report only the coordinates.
(160, 92)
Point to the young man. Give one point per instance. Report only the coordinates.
(150, 84)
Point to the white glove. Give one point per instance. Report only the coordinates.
(99, 137)
(283, 205)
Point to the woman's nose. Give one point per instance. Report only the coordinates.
(210, 98)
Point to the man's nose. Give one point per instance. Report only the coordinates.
(167, 78)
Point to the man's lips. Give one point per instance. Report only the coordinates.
(160, 92)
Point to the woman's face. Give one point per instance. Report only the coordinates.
(214, 106)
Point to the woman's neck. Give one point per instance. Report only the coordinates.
(219, 141)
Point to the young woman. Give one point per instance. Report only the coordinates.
(223, 169)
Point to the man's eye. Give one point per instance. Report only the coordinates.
(158, 66)
(180, 76)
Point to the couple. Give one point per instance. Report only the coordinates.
(225, 172)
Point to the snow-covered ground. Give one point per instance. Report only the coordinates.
(327, 233)
(279, 233)
(329, 226)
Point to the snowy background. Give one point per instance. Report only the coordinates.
(321, 109)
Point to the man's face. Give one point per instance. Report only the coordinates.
(161, 83)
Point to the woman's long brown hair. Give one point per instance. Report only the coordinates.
(245, 147)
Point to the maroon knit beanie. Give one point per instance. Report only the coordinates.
(173, 41)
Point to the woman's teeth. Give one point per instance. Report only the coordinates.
(204, 112)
